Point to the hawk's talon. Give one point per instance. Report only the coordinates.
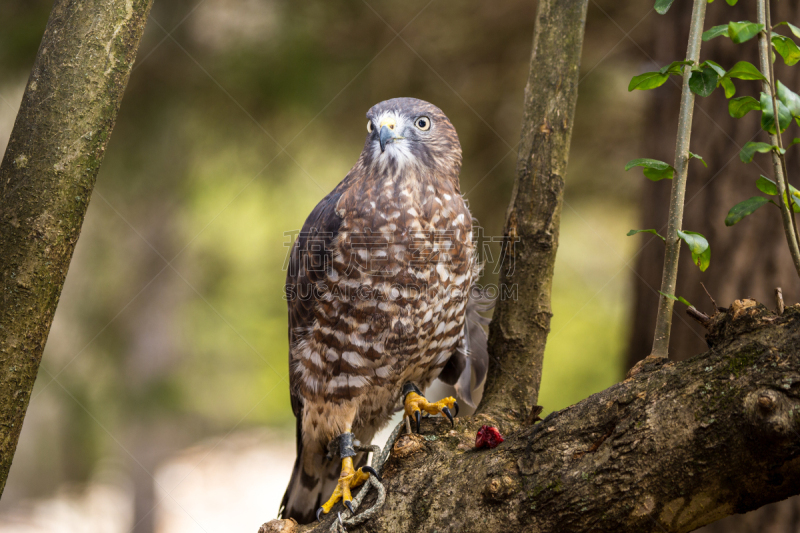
(349, 506)
(371, 471)
(319, 512)
(416, 404)
(349, 478)
(449, 415)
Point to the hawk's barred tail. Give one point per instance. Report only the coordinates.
(306, 491)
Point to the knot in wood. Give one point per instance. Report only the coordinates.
(765, 402)
(543, 240)
(740, 307)
(499, 488)
(407, 445)
(775, 414)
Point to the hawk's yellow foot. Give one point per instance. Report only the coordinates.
(349, 478)
(415, 404)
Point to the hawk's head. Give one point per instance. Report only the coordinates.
(407, 131)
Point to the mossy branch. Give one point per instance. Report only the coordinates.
(47, 176)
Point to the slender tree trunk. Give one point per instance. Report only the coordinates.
(521, 321)
(669, 277)
(47, 176)
(749, 259)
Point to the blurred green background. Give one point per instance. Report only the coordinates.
(240, 115)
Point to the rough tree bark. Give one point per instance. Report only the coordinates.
(672, 448)
(47, 176)
(520, 324)
(749, 259)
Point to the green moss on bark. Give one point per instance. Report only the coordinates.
(47, 176)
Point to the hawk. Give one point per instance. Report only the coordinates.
(378, 290)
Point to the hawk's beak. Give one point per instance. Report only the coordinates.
(388, 133)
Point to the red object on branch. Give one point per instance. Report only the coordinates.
(488, 437)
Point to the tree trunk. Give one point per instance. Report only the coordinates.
(521, 320)
(47, 176)
(670, 449)
(749, 259)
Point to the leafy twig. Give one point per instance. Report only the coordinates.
(670, 275)
(778, 162)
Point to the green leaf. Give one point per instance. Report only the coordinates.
(704, 82)
(717, 68)
(768, 114)
(654, 232)
(739, 107)
(789, 98)
(662, 6)
(750, 149)
(727, 84)
(695, 156)
(743, 209)
(795, 205)
(744, 70)
(654, 169)
(680, 299)
(701, 251)
(715, 31)
(731, 2)
(703, 260)
(787, 48)
(795, 30)
(696, 242)
(648, 80)
(767, 186)
(676, 67)
(743, 31)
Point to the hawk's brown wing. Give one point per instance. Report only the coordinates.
(310, 257)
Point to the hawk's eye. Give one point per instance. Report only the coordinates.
(423, 123)
(369, 126)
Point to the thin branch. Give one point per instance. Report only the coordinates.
(713, 301)
(669, 277)
(699, 316)
(781, 179)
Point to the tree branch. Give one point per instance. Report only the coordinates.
(669, 276)
(672, 448)
(47, 176)
(521, 320)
